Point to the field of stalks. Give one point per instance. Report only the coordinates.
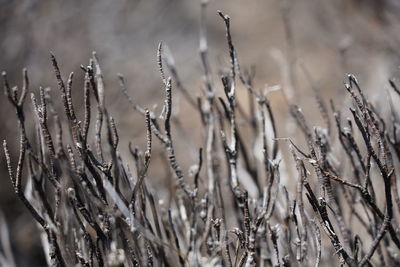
(229, 163)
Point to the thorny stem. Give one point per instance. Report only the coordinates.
(124, 221)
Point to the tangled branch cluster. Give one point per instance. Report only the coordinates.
(95, 212)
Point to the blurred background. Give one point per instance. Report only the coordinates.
(331, 38)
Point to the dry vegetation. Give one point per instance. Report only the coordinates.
(94, 208)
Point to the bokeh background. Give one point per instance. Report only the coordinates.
(331, 38)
